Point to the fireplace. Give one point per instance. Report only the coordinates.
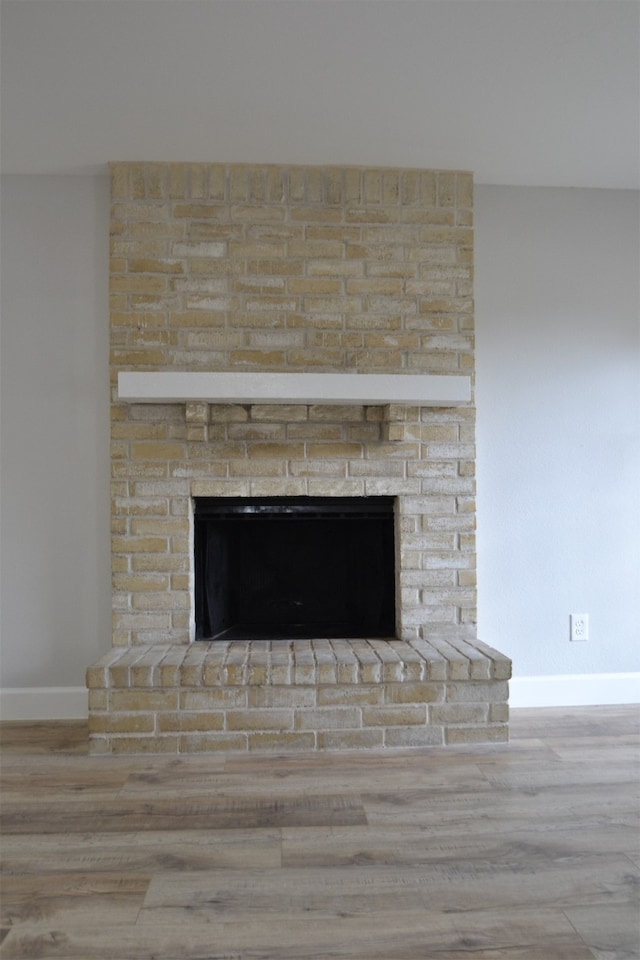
(295, 567)
(318, 275)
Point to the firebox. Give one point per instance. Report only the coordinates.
(294, 567)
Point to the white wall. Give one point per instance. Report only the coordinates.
(558, 431)
(55, 600)
(558, 377)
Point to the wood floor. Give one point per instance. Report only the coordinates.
(520, 851)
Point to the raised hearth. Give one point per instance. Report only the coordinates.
(298, 695)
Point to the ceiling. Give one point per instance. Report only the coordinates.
(522, 92)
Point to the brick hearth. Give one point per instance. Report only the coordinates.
(298, 695)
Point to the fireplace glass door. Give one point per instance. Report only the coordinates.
(289, 567)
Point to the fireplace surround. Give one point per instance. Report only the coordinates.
(316, 271)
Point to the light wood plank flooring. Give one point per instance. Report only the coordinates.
(520, 851)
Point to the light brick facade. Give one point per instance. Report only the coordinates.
(290, 269)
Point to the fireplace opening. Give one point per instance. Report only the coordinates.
(294, 567)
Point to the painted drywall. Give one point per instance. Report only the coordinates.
(519, 92)
(558, 376)
(55, 600)
(558, 432)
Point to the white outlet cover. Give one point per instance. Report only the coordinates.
(579, 626)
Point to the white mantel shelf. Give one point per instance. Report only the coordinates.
(368, 389)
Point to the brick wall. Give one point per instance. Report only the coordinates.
(241, 268)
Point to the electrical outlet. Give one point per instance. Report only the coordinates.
(579, 626)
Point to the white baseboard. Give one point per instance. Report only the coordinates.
(575, 690)
(567, 690)
(44, 703)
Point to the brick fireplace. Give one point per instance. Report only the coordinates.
(307, 270)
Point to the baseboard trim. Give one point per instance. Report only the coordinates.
(575, 690)
(44, 703)
(566, 690)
